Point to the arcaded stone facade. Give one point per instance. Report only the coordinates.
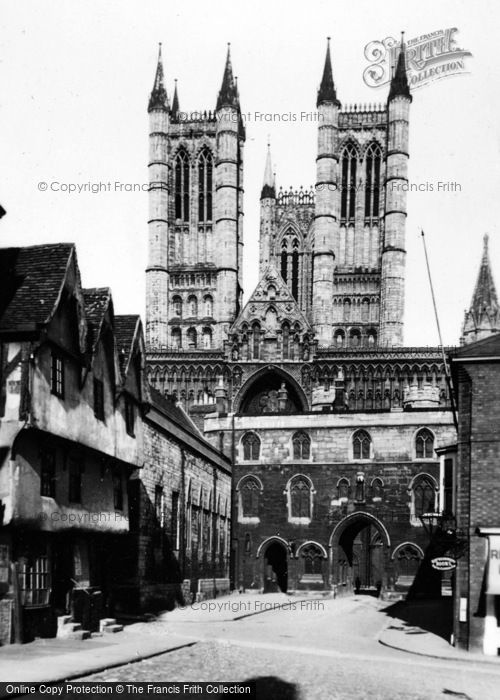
(180, 512)
(337, 496)
(330, 423)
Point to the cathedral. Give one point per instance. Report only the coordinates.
(332, 425)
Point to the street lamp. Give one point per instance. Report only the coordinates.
(442, 529)
(431, 523)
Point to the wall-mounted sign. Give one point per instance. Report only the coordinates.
(444, 563)
(493, 581)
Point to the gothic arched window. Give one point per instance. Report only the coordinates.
(365, 310)
(256, 341)
(373, 160)
(301, 445)
(348, 195)
(207, 338)
(209, 306)
(347, 310)
(177, 306)
(361, 445)
(176, 338)
(251, 446)
(250, 490)
(192, 307)
(424, 444)
(286, 341)
(343, 489)
(313, 559)
(407, 560)
(377, 489)
(181, 186)
(300, 497)
(205, 180)
(290, 262)
(192, 337)
(423, 496)
(339, 339)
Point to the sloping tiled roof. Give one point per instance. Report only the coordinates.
(124, 331)
(487, 347)
(96, 304)
(31, 279)
(125, 327)
(174, 412)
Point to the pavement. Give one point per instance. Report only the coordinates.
(56, 660)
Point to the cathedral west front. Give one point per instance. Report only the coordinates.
(330, 422)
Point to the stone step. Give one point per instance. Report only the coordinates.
(79, 635)
(63, 620)
(68, 628)
(112, 629)
(106, 622)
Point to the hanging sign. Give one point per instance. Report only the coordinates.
(444, 563)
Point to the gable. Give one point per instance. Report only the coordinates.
(272, 305)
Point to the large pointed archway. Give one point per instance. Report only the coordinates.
(360, 546)
(260, 393)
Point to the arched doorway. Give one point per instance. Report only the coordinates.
(360, 548)
(275, 568)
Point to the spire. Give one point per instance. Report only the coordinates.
(485, 294)
(228, 94)
(399, 82)
(326, 92)
(268, 187)
(483, 317)
(158, 99)
(175, 103)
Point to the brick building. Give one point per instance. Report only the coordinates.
(476, 374)
(331, 424)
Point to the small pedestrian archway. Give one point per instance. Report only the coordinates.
(360, 553)
(275, 565)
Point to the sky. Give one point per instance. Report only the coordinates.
(75, 78)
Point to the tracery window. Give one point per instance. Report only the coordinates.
(301, 445)
(205, 186)
(313, 559)
(361, 445)
(373, 160)
(181, 185)
(423, 496)
(250, 491)
(291, 262)
(348, 195)
(300, 497)
(424, 444)
(251, 446)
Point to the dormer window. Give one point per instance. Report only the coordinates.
(57, 375)
(98, 399)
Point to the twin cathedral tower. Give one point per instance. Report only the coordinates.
(335, 255)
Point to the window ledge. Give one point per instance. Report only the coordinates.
(299, 521)
(248, 520)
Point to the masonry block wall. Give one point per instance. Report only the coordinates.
(346, 491)
(180, 517)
